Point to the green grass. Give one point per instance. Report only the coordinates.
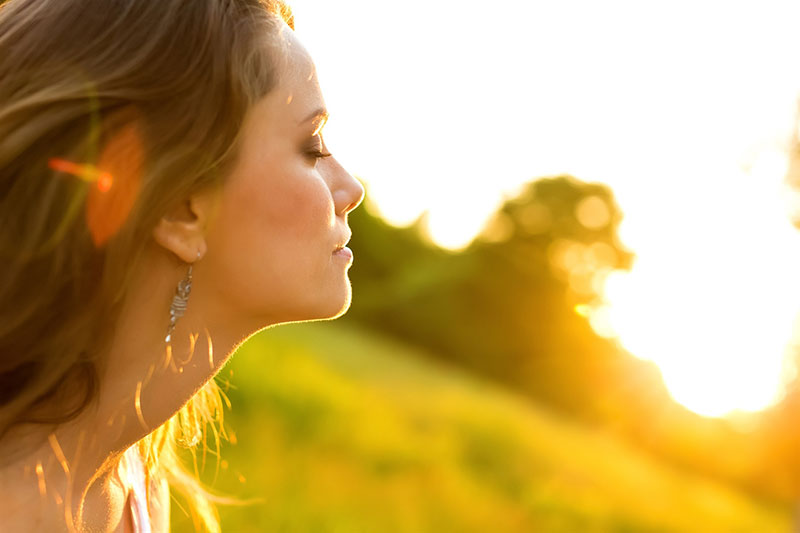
(338, 430)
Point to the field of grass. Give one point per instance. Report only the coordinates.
(338, 430)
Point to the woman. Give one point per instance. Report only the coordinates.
(165, 192)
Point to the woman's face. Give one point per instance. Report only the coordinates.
(275, 246)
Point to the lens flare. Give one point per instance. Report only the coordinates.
(117, 180)
(85, 172)
(106, 210)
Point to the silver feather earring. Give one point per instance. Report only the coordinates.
(180, 300)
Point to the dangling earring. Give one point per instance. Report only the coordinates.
(179, 301)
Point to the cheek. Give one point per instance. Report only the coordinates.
(274, 237)
(294, 212)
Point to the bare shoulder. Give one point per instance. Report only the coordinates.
(29, 506)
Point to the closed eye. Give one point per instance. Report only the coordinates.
(317, 150)
(320, 154)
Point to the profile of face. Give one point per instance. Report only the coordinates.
(276, 245)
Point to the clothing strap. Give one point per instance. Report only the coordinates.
(138, 492)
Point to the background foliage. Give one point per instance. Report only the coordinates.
(337, 429)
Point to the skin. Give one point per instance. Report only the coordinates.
(267, 243)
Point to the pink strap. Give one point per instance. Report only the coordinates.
(138, 494)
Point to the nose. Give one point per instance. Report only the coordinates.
(348, 191)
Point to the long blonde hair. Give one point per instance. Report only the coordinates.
(75, 76)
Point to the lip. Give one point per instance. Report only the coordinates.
(344, 252)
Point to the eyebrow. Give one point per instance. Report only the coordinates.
(318, 114)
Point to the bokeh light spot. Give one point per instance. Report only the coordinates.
(592, 212)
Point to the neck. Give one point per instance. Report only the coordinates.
(144, 383)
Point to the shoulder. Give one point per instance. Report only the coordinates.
(148, 499)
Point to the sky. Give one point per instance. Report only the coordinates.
(684, 109)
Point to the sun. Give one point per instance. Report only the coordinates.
(716, 312)
(715, 358)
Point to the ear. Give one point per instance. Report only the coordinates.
(182, 231)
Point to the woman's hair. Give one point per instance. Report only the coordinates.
(111, 113)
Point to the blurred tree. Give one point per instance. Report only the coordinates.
(507, 307)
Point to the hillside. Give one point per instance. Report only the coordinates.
(335, 429)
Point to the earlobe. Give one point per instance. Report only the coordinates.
(175, 237)
(182, 231)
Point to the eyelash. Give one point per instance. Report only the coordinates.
(318, 154)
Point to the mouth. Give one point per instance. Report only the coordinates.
(343, 251)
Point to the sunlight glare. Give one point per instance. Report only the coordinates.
(683, 126)
(716, 314)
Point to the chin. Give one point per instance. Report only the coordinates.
(339, 308)
(332, 307)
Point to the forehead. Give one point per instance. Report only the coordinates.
(299, 63)
(297, 92)
(280, 116)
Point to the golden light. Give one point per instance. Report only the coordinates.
(717, 314)
(713, 360)
(683, 117)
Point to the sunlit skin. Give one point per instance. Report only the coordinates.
(270, 245)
